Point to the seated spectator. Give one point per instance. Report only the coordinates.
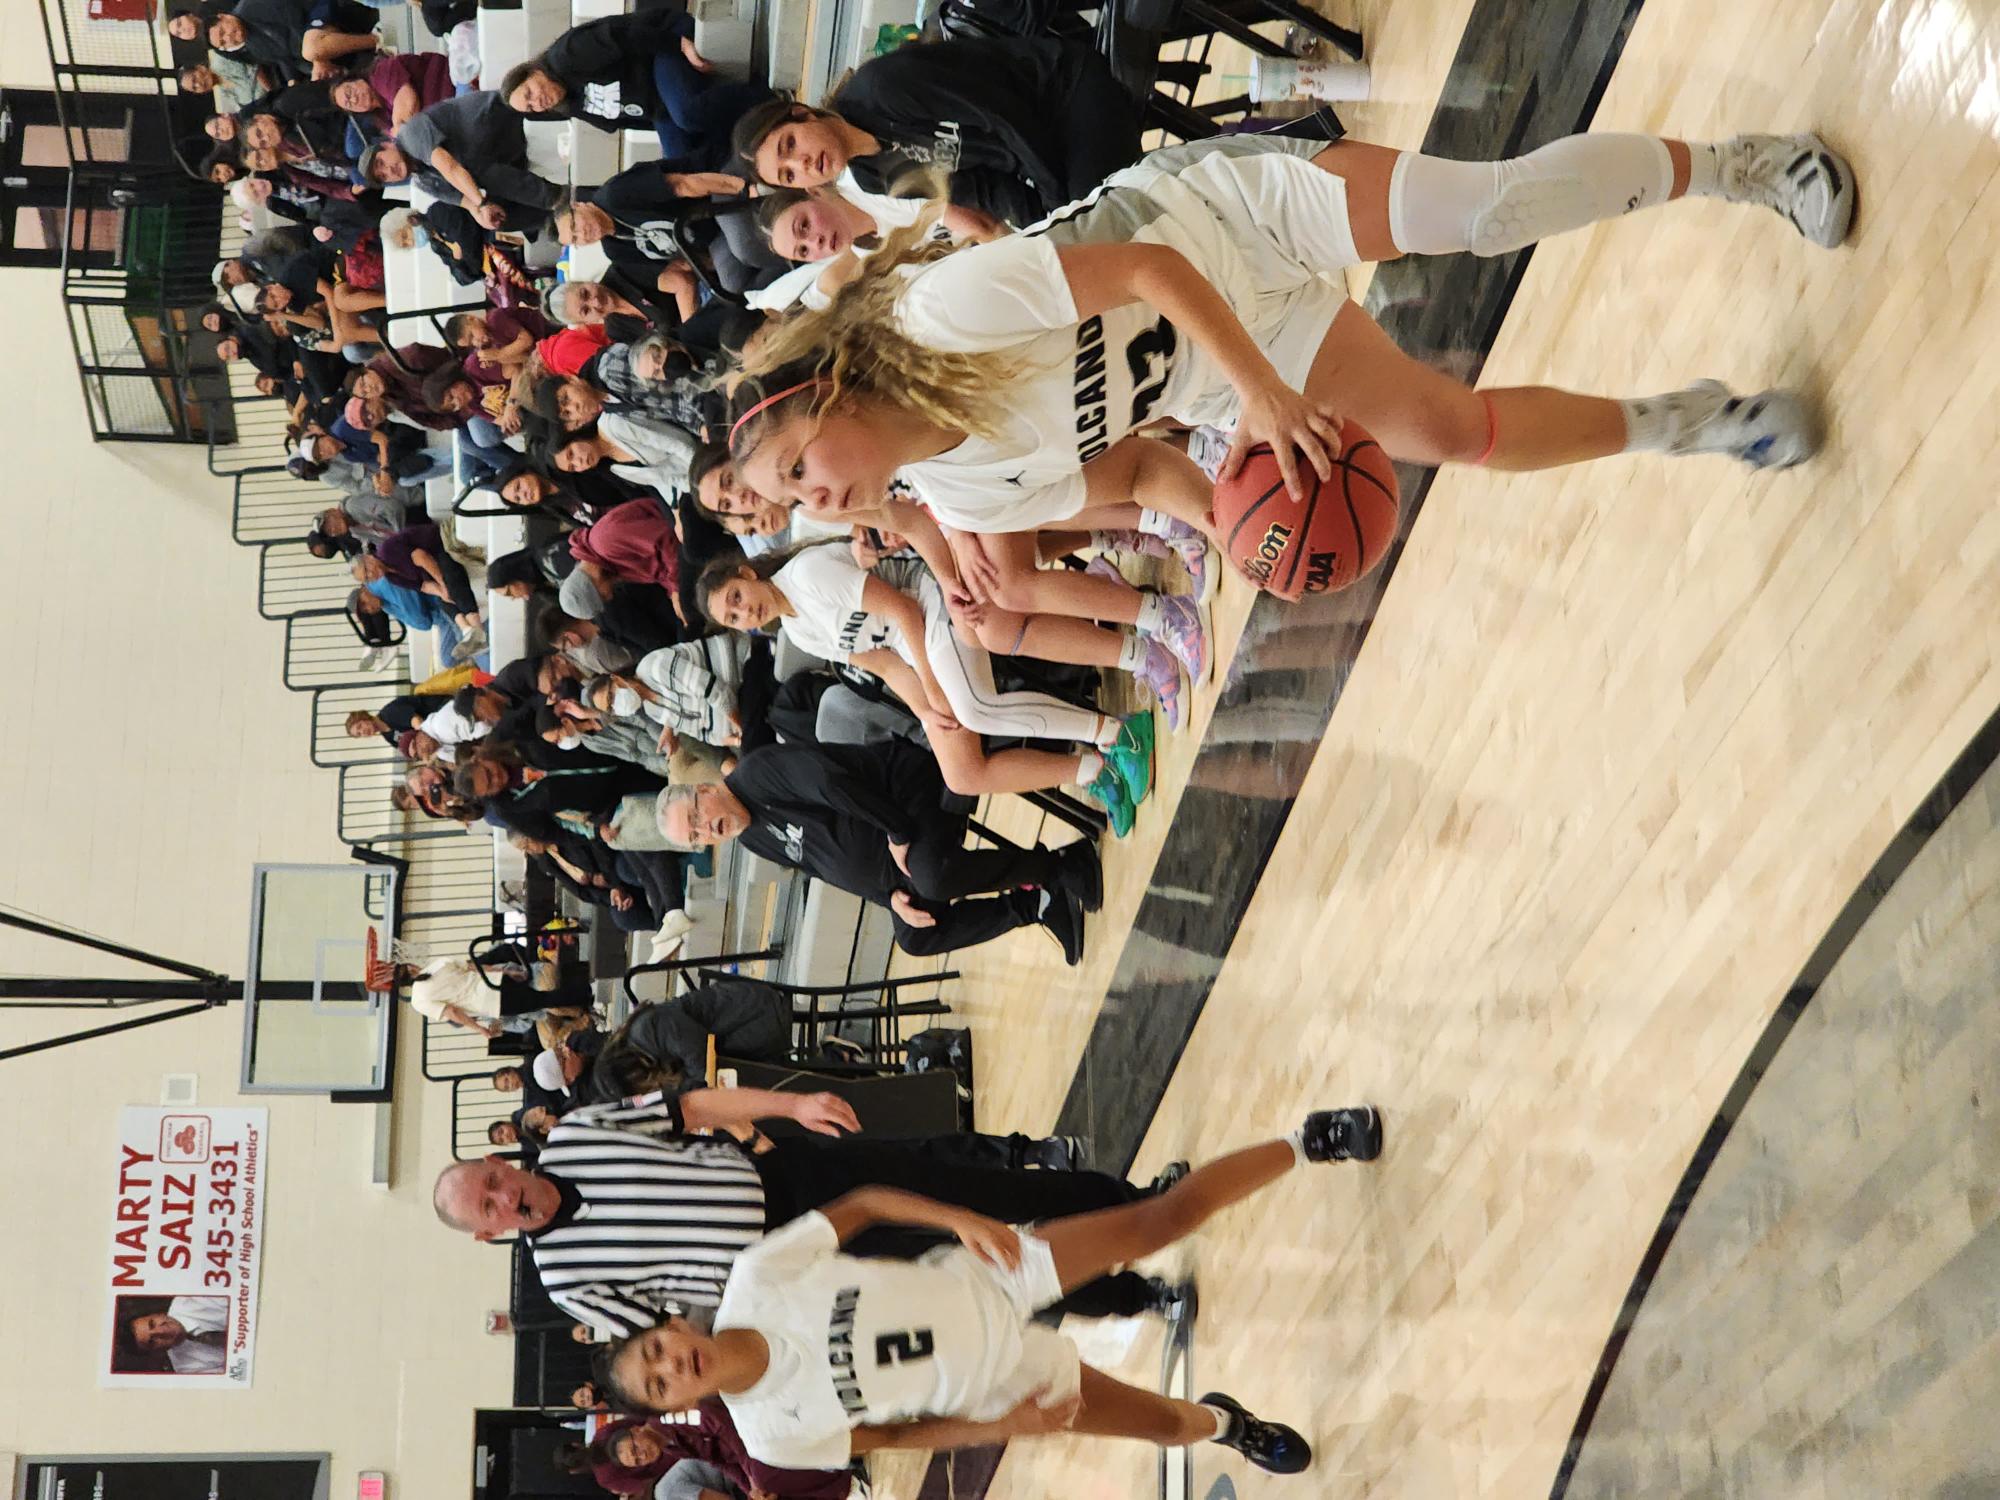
(689, 690)
(415, 557)
(568, 725)
(452, 991)
(481, 439)
(1024, 125)
(658, 379)
(697, 1460)
(472, 151)
(355, 524)
(644, 449)
(525, 487)
(398, 716)
(633, 543)
(232, 81)
(365, 435)
(632, 69)
(584, 643)
(498, 343)
(664, 1048)
(649, 220)
(447, 231)
(292, 39)
(719, 492)
(880, 824)
(539, 803)
(472, 714)
(387, 92)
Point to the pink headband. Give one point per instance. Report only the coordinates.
(737, 426)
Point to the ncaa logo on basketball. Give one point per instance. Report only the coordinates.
(1319, 572)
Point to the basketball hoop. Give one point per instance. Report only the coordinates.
(371, 959)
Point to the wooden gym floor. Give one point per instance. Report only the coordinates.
(1557, 818)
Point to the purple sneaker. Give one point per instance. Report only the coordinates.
(1184, 631)
(1193, 554)
(1138, 543)
(1161, 671)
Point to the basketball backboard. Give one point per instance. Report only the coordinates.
(309, 1025)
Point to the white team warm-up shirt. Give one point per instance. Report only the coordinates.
(825, 587)
(1266, 228)
(859, 1342)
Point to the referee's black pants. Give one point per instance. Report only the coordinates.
(802, 1175)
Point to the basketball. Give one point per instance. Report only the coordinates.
(1336, 534)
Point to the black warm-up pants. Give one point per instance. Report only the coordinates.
(943, 870)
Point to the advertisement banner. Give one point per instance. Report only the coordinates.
(187, 1233)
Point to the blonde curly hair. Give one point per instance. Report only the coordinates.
(856, 347)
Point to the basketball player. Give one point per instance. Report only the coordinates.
(893, 621)
(1007, 381)
(821, 1356)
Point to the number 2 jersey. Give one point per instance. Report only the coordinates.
(1268, 230)
(861, 1343)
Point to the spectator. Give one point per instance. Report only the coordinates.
(415, 557)
(624, 70)
(292, 39)
(880, 824)
(472, 151)
(1020, 126)
(386, 93)
(398, 716)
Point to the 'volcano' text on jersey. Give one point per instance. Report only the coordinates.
(1148, 355)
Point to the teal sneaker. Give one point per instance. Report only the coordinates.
(1108, 792)
(1132, 758)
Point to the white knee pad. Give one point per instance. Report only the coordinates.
(1439, 207)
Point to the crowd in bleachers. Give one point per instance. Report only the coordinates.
(601, 406)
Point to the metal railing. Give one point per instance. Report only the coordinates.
(271, 506)
(322, 651)
(331, 745)
(291, 581)
(256, 439)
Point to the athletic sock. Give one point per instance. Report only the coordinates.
(1225, 1424)
(1705, 170)
(1088, 766)
(1131, 652)
(1657, 424)
(1155, 523)
(1297, 1141)
(1110, 729)
(1152, 613)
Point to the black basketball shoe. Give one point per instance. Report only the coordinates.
(1176, 1301)
(1271, 1446)
(1170, 1174)
(1343, 1134)
(1063, 920)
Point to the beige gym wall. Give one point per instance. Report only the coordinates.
(149, 756)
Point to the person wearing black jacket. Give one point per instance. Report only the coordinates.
(1020, 126)
(651, 220)
(878, 822)
(529, 800)
(637, 69)
(286, 37)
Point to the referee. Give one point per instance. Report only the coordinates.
(631, 1219)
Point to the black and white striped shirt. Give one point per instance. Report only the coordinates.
(663, 1215)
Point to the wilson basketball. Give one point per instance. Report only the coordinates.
(1336, 534)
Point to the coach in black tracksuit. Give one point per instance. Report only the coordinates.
(835, 811)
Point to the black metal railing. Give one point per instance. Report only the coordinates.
(256, 439)
(271, 506)
(291, 581)
(332, 747)
(322, 650)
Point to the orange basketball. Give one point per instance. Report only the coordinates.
(1336, 534)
